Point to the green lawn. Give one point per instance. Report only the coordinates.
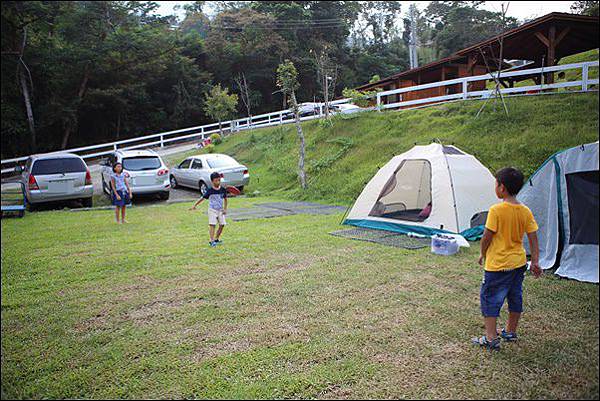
(95, 310)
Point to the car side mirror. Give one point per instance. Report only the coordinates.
(18, 169)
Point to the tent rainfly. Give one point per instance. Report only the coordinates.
(563, 196)
(427, 190)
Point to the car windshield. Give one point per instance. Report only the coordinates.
(58, 166)
(221, 161)
(141, 163)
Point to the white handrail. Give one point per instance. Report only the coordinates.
(283, 117)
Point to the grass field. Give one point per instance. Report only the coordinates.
(91, 309)
(281, 310)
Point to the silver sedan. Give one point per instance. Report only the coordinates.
(194, 172)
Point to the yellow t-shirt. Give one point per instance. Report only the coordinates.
(509, 222)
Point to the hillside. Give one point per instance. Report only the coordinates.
(343, 154)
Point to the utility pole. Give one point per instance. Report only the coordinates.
(326, 78)
(412, 44)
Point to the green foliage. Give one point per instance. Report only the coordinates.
(99, 71)
(210, 148)
(457, 25)
(252, 138)
(359, 98)
(375, 78)
(219, 104)
(585, 7)
(216, 139)
(287, 77)
(327, 161)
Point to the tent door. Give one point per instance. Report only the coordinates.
(582, 195)
(407, 194)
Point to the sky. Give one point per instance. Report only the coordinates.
(518, 9)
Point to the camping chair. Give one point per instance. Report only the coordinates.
(13, 199)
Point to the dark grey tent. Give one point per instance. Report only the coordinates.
(563, 196)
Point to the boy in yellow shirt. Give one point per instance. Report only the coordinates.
(504, 258)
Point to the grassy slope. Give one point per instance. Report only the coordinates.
(148, 310)
(344, 155)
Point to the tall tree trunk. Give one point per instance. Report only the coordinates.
(118, 126)
(28, 108)
(25, 90)
(67, 133)
(72, 126)
(301, 172)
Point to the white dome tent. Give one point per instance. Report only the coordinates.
(427, 190)
(563, 196)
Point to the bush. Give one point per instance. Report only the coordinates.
(361, 99)
(216, 139)
(210, 148)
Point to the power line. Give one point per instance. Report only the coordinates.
(290, 24)
(275, 27)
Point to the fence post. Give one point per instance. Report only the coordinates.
(584, 78)
(280, 117)
(465, 89)
(269, 119)
(162, 144)
(115, 147)
(378, 102)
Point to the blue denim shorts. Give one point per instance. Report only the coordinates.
(500, 286)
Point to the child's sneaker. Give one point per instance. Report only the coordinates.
(212, 244)
(508, 337)
(218, 242)
(482, 341)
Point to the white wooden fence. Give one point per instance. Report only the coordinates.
(285, 117)
(582, 85)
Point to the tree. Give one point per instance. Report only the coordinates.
(219, 104)
(361, 99)
(17, 20)
(243, 41)
(287, 81)
(327, 73)
(458, 24)
(95, 72)
(585, 7)
(244, 89)
(378, 22)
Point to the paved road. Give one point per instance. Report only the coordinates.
(95, 170)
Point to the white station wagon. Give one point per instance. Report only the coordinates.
(147, 173)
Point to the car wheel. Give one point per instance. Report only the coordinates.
(105, 188)
(87, 202)
(203, 187)
(173, 182)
